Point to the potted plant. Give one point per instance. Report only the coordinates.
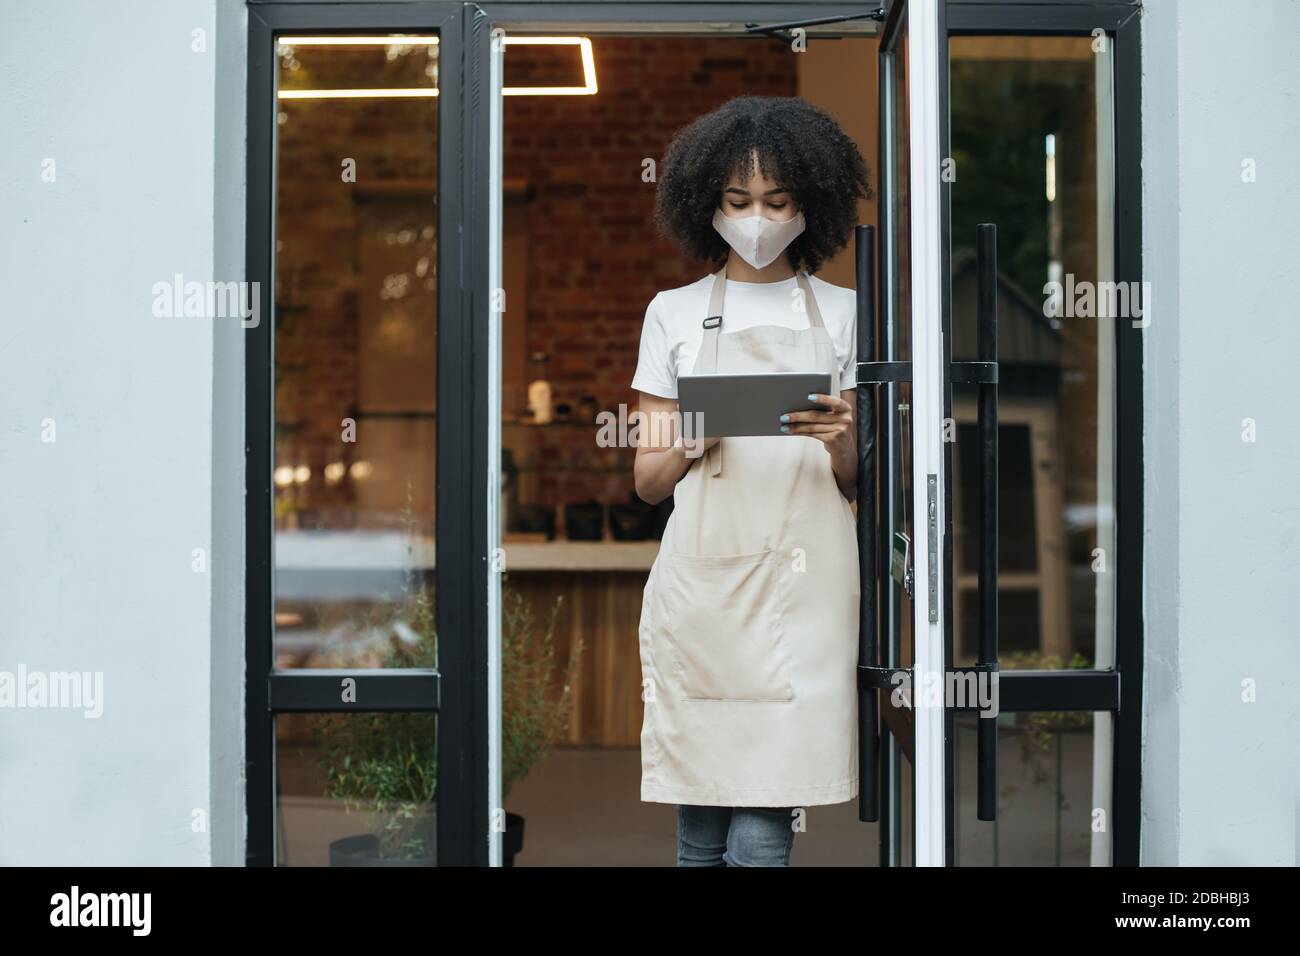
(386, 764)
(533, 715)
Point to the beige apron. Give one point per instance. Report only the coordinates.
(748, 631)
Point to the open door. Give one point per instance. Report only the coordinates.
(903, 410)
(899, 383)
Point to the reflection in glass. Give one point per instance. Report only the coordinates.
(1045, 791)
(1030, 133)
(357, 788)
(1032, 138)
(355, 343)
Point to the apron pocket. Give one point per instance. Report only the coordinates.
(726, 625)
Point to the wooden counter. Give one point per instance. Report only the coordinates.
(601, 582)
(307, 551)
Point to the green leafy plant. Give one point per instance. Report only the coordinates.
(386, 764)
(533, 717)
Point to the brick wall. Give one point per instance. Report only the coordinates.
(332, 261)
(594, 259)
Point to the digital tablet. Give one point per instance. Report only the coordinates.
(732, 404)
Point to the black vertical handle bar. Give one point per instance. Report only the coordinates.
(868, 715)
(986, 260)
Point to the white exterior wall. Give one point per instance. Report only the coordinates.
(1220, 87)
(98, 527)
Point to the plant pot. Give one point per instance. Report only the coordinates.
(631, 522)
(363, 849)
(535, 519)
(584, 521)
(512, 841)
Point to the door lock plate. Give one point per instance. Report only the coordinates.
(900, 562)
(932, 539)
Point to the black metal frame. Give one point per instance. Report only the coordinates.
(889, 610)
(868, 536)
(612, 13)
(984, 373)
(460, 693)
(458, 690)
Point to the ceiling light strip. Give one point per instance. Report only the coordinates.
(588, 88)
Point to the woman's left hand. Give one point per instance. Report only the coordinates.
(836, 429)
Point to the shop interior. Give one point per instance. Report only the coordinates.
(585, 117)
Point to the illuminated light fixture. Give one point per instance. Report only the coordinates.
(386, 40)
(588, 87)
(355, 94)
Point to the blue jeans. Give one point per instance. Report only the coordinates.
(734, 836)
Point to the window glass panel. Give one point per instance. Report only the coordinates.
(355, 787)
(1017, 538)
(1018, 623)
(355, 344)
(1046, 791)
(1032, 136)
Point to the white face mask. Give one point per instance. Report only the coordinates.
(757, 239)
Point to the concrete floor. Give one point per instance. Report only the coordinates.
(582, 808)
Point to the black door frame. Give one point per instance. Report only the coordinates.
(460, 692)
(457, 690)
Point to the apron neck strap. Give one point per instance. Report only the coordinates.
(713, 318)
(716, 294)
(810, 302)
(713, 322)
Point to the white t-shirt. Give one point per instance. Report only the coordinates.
(672, 333)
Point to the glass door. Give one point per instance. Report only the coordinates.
(370, 684)
(1008, 336)
(901, 499)
(1037, 118)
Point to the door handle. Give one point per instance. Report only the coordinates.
(868, 626)
(986, 265)
(872, 371)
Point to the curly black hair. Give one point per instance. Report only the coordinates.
(798, 146)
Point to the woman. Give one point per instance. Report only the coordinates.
(748, 632)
